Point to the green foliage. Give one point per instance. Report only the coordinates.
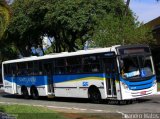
(26, 27)
(4, 16)
(125, 30)
(29, 112)
(72, 23)
(7, 51)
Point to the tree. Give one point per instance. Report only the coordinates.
(74, 21)
(70, 22)
(116, 31)
(6, 50)
(4, 16)
(122, 30)
(28, 18)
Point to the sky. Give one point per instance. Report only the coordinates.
(145, 10)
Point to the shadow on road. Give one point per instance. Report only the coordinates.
(126, 102)
(81, 100)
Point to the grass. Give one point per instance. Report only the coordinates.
(158, 86)
(32, 112)
(28, 112)
(94, 116)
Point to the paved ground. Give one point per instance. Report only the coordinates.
(149, 104)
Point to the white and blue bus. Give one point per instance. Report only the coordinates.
(117, 72)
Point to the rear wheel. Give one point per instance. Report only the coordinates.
(24, 92)
(34, 93)
(94, 95)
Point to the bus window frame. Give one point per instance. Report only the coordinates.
(81, 66)
(136, 54)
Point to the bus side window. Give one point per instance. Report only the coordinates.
(40, 68)
(47, 68)
(95, 68)
(5, 69)
(60, 66)
(86, 64)
(91, 64)
(35, 69)
(110, 65)
(13, 69)
(30, 68)
(9, 70)
(21, 68)
(73, 65)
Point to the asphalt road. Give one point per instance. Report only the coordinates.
(150, 104)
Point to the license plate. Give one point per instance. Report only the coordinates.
(143, 92)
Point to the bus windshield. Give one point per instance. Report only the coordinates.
(136, 66)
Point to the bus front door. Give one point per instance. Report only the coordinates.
(48, 67)
(110, 73)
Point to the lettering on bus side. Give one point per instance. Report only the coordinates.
(84, 83)
(27, 80)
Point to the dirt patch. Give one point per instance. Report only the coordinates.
(92, 116)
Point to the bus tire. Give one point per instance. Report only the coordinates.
(24, 92)
(94, 94)
(34, 93)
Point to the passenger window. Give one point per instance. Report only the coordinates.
(73, 65)
(60, 66)
(91, 64)
(30, 68)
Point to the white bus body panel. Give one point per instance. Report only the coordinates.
(76, 88)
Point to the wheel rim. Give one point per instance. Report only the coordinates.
(25, 93)
(34, 94)
(95, 96)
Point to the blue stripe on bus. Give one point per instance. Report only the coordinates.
(64, 78)
(42, 80)
(139, 85)
(28, 80)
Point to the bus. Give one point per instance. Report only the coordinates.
(117, 72)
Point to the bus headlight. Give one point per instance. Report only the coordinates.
(154, 83)
(125, 86)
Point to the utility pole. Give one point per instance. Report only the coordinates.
(127, 6)
(125, 14)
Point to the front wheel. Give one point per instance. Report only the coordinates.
(94, 95)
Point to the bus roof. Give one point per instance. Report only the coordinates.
(68, 54)
(63, 54)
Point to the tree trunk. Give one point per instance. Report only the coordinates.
(127, 7)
